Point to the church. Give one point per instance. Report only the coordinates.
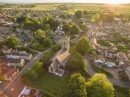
(61, 58)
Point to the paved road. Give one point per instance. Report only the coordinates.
(15, 87)
(92, 72)
(117, 82)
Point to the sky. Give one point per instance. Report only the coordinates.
(61, 1)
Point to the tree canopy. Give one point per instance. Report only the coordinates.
(83, 46)
(74, 29)
(46, 56)
(78, 14)
(76, 86)
(66, 27)
(40, 34)
(84, 27)
(96, 17)
(12, 41)
(99, 86)
(77, 63)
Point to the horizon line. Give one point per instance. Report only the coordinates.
(58, 2)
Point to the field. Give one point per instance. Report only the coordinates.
(50, 84)
(45, 7)
(116, 9)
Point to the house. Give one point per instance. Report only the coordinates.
(110, 64)
(2, 21)
(3, 67)
(122, 57)
(19, 55)
(28, 92)
(110, 53)
(99, 63)
(6, 49)
(15, 62)
(11, 74)
(61, 58)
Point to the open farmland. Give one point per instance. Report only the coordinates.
(45, 7)
(72, 7)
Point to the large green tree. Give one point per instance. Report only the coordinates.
(66, 27)
(83, 46)
(77, 63)
(74, 29)
(99, 86)
(28, 24)
(12, 41)
(76, 86)
(46, 56)
(96, 17)
(40, 35)
(78, 14)
(47, 42)
(84, 27)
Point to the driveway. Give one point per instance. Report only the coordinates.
(114, 71)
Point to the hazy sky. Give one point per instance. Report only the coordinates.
(53, 1)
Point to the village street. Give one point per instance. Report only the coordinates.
(15, 87)
(91, 72)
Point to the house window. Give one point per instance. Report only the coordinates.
(51, 69)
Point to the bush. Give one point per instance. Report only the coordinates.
(28, 50)
(55, 48)
(37, 46)
(123, 91)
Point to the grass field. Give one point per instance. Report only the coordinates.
(50, 84)
(116, 9)
(45, 7)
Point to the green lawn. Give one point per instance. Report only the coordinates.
(116, 9)
(51, 84)
(72, 48)
(122, 92)
(45, 7)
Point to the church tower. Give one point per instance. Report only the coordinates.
(65, 42)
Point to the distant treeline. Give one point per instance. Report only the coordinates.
(17, 6)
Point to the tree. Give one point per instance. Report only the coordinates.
(38, 67)
(83, 46)
(99, 86)
(78, 14)
(96, 17)
(66, 27)
(76, 86)
(47, 27)
(107, 43)
(12, 41)
(40, 35)
(47, 42)
(55, 48)
(46, 56)
(13, 19)
(64, 22)
(85, 12)
(121, 48)
(77, 63)
(74, 29)
(34, 74)
(28, 24)
(20, 19)
(0, 10)
(84, 27)
(63, 15)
